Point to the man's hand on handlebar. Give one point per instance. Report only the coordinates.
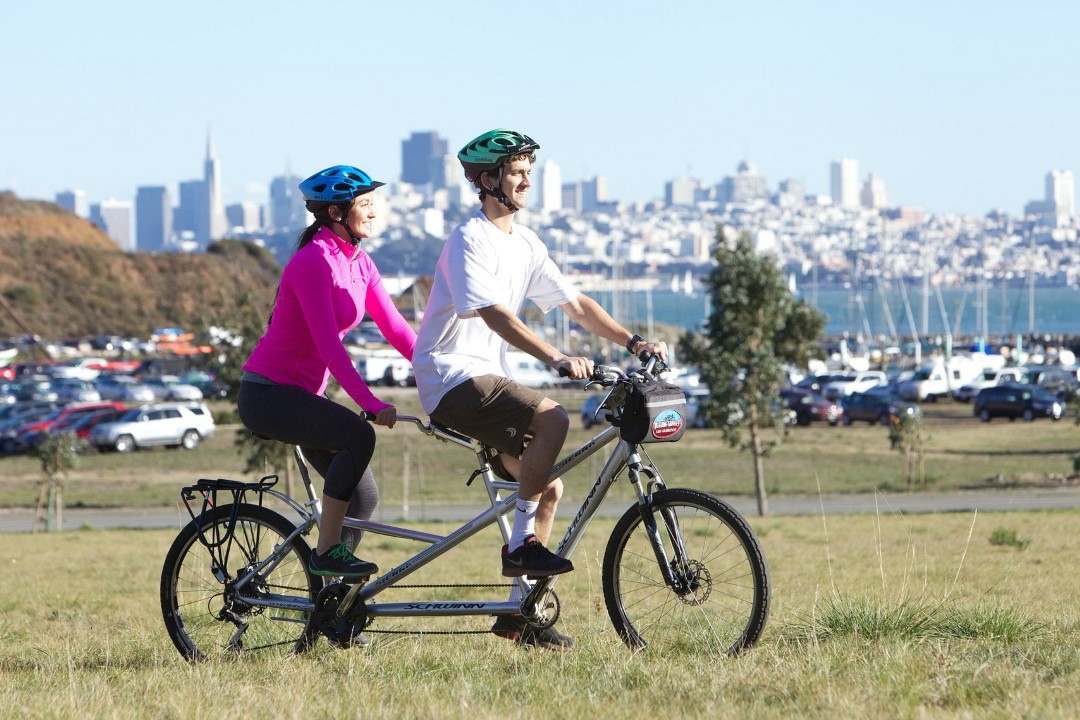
(653, 347)
(575, 368)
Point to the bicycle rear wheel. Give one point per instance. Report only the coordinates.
(723, 602)
(206, 616)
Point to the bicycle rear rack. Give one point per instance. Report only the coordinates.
(209, 490)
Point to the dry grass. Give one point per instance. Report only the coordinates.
(848, 636)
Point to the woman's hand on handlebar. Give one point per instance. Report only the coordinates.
(387, 416)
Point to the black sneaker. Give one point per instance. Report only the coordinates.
(339, 562)
(514, 627)
(533, 559)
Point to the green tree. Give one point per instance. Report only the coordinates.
(755, 329)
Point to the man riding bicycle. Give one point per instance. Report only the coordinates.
(488, 267)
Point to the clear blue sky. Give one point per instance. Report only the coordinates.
(960, 106)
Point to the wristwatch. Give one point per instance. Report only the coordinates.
(632, 342)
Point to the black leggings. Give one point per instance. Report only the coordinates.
(338, 442)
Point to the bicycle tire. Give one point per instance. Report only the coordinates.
(193, 597)
(728, 607)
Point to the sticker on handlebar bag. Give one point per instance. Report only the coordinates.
(655, 411)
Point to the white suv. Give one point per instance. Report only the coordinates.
(170, 424)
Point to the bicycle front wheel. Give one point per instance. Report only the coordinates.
(719, 597)
(207, 616)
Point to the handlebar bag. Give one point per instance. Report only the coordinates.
(655, 411)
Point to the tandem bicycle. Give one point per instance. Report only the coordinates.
(681, 568)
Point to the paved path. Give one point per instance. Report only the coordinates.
(21, 520)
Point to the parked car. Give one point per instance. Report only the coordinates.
(169, 424)
(10, 427)
(123, 388)
(875, 408)
(211, 387)
(989, 378)
(1017, 401)
(25, 437)
(852, 383)
(811, 407)
(169, 387)
(73, 390)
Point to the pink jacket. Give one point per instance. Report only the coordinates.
(326, 287)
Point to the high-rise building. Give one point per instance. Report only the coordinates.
(873, 194)
(680, 191)
(572, 196)
(153, 218)
(417, 154)
(287, 211)
(116, 218)
(243, 217)
(594, 193)
(549, 182)
(191, 209)
(1061, 194)
(745, 185)
(73, 201)
(844, 182)
(212, 226)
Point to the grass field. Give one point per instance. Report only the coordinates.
(960, 452)
(937, 616)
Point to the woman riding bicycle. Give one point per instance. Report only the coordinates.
(326, 289)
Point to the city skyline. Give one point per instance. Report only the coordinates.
(960, 108)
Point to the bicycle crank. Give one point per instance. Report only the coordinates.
(341, 629)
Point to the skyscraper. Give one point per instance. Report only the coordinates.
(116, 218)
(550, 185)
(191, 209)
(680, 191)
(873, 193)
(73, 201)
(417, 154)
(1061, 195)
(153, 218)
(287, 211)
(844, 182)
(212, 226)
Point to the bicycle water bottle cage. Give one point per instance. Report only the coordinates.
(212, 509)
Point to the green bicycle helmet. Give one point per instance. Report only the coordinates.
(489, 151)
(339, 183)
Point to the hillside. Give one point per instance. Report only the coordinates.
(64, 277)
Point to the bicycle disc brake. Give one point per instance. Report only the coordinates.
(696, 582)
(341, 630)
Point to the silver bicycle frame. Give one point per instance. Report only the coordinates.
(624, 455)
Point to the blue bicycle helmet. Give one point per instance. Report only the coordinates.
(338, 184)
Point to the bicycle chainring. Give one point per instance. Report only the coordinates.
(546, 611)
(340, 630)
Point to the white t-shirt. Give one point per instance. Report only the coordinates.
(480, 266)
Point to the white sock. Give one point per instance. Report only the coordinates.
(524, 524)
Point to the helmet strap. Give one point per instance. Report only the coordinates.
(496, 191)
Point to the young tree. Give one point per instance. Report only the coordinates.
(755, 329)
(57, 454)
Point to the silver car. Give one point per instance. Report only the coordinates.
(123, 388)
(169, 424)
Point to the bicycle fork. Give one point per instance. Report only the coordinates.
(677, 571)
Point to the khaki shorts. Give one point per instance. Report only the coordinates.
(492, 409)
